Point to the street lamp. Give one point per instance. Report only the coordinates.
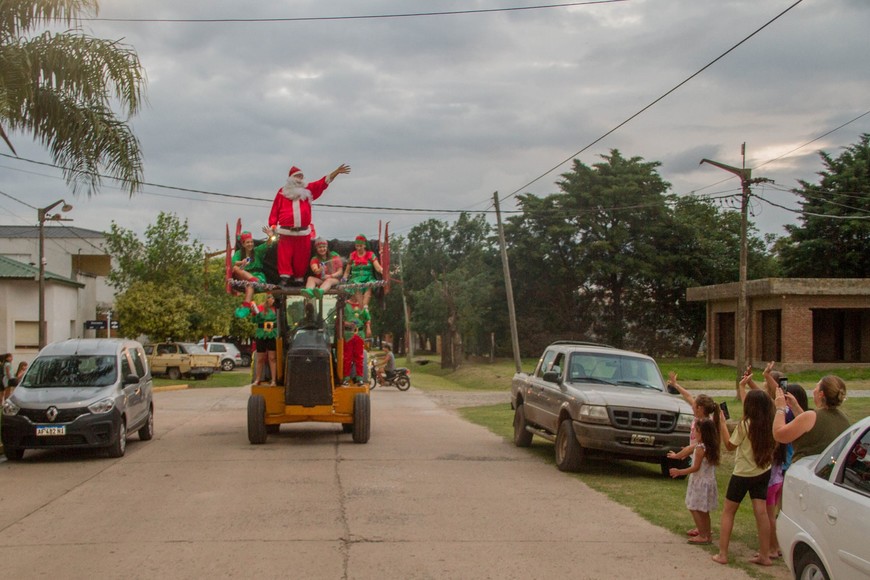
(44, 215)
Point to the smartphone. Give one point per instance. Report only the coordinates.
(724, 406)
(783, 383)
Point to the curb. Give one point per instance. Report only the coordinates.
(170, 388)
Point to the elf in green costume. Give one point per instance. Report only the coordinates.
(266, 319)
(248, 262)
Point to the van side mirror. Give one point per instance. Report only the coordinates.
(552, 377)
(131, 379)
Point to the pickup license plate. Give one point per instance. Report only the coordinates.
(50, 430)
(638, 439)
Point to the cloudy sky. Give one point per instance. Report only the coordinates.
(436, 112)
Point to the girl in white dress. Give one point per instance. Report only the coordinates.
(702, 493)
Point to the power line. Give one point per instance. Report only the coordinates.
(819, 215)
(649, 106)
(358, 17)
(261, 199)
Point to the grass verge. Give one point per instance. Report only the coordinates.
(220, 379)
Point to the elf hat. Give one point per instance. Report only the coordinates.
(360, 239)
(245, 236)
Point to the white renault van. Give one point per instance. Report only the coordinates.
(80, 393)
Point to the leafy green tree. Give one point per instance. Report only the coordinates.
(166, 270)
(449, 273)
(833, 240)
(60, 88)
(610, 258)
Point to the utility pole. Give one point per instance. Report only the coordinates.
(515, 340)
(742, 323)
(43, 215)
(409, 352)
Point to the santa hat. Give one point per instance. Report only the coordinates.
(294, 170)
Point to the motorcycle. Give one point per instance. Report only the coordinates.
(401, 378)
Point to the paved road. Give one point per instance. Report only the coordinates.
(430, 496)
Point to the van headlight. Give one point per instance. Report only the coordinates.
(684, 422)
(10, 408)
(594, 414)
(103, 406)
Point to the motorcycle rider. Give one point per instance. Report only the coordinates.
(388, 365)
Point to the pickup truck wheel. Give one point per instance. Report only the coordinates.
(173, 373)
(362, 418)
(522, 438)
(569, 453)
(257, 419)
(227, 365)
(666, 465)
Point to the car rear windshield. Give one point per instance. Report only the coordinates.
(70, 371)
(614, 370)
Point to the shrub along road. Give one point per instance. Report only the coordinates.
(430, 495)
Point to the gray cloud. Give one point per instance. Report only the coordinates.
(440, 112)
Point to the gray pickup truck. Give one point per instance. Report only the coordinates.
(594, 399)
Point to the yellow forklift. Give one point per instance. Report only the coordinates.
(310, 353)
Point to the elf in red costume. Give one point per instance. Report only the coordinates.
(290, 218)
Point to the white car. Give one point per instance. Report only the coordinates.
(824, 525)
(230, 355)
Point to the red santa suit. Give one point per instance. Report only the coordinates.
(291, 219)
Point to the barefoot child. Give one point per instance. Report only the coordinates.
(753, 440)
(702, 494)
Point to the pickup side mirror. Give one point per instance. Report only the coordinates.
(553, 377)
(131, 379)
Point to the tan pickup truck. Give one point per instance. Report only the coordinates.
(181, 359)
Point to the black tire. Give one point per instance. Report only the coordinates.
(227, 365)
(569, 453)
(257, 419)
(522, 437)
(810, 567)
(173, 373)
(347, 427)
(13, 453)
(666, 465)
(246, 360)
(119, 445)
(362, 418)
(146, 432)
(272, 429)
(403, 382)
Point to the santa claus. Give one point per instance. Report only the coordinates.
(290, 218)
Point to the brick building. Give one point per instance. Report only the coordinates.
(801, 323)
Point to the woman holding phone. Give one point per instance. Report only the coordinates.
(811, 431)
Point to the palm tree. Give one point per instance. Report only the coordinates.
(60, 88)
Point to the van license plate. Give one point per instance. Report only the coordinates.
(50, 430)
(637, 439)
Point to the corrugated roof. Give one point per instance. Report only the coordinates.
(27, 232)
(14, 270)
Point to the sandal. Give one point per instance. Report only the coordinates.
(693, 532)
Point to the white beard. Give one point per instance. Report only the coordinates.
(295, 189)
